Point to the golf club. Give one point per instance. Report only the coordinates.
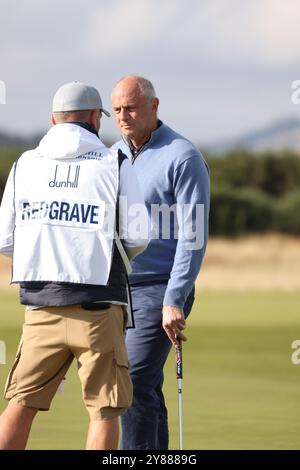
(178, 351)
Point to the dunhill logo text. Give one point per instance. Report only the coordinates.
(70, 180)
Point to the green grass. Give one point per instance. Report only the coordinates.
(240, 389)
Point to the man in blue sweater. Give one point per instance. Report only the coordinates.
(174, 178)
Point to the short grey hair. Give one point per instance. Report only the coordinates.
(145, 86)
(64, 116)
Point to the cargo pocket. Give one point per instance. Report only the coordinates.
(121, 393)
(11, 381)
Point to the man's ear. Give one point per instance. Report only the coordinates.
(155, 103)
(90, 117)
(94, 120)
(53, 120)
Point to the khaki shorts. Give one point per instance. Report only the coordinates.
(52, 337)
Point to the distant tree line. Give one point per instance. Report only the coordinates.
(7, 157)
(253, 193)
(250, 192)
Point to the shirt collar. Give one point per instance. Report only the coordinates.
(136, 151)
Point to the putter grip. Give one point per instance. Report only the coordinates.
(178, 352)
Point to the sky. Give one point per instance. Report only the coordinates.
(221, 68)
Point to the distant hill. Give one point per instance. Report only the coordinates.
(283, 134)
(8, 140)
(280, 135)
(12, 140)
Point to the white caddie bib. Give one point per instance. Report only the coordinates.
(65, 217)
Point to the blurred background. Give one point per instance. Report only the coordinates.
(228, 77)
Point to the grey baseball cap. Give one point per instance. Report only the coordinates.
(76, 96)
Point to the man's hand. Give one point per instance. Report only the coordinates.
(173, 323)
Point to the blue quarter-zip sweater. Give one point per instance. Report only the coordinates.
(171, 171)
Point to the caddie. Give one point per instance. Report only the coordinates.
(61, 222)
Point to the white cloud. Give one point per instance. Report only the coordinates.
(262, 32)
(127, 26)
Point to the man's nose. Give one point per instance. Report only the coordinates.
(123, 113)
